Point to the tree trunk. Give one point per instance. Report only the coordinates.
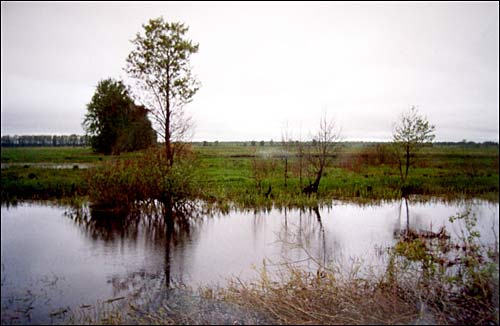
(407, 216)
(168, 239)
(286, 170)
(407, 161)
(168, 143)
(313, 187)
(300, 166)
(318, 178)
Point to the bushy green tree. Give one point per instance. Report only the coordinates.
(114, 123)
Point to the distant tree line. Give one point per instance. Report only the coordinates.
(468, 144)
(82, 140)
(44, 140)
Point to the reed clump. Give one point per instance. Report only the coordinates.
(303, 297)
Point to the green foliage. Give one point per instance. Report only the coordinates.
(126, 183)
(160, 63)
(114, 123)
(413, 129)
(454, 276)
(475, 268)
(415, 250)
(410, 133)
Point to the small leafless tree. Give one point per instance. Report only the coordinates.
(322, 151)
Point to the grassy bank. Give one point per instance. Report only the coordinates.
(255, 175)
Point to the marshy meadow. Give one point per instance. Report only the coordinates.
(240, 246)
(134, 220)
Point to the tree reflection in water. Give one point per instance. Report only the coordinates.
(160, 229)
(307, 241)
(416, 227)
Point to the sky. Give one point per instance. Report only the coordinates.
(264, 67)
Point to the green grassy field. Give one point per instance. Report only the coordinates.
(56, 155)
(225, 173)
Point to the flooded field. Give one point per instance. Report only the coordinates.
(48, 165)
(59, 258)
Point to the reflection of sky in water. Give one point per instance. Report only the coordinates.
(422, 215)
(49, 165)
(87, 259)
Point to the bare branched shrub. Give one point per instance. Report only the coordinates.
(321, 152)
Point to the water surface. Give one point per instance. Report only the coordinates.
(55, 257)
(49, 165)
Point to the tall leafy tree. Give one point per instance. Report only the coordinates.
(410, 133)
(114, 123)
(160, 64)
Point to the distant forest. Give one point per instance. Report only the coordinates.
(82, 140)
(44, 140)
(463, 143)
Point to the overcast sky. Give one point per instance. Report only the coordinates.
(265, 65)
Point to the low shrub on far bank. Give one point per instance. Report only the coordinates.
(124, 183)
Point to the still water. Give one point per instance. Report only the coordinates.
(55, 257)
(48, 165)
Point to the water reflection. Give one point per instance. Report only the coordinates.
(158, 228)
(48, 165)
(414, 217)
(305, 241)
(96, 254)
(399, 229)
